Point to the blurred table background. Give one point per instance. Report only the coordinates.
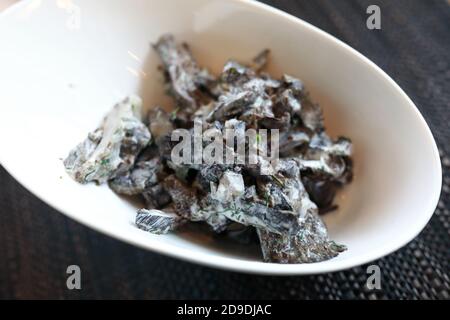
(37, 243)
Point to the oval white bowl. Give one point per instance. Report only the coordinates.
(60, 75)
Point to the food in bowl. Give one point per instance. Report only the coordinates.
(224, 172)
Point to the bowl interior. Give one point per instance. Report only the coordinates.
(58, 88)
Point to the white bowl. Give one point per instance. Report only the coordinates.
(64, 66)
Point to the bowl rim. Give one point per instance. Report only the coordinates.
(259, 267)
